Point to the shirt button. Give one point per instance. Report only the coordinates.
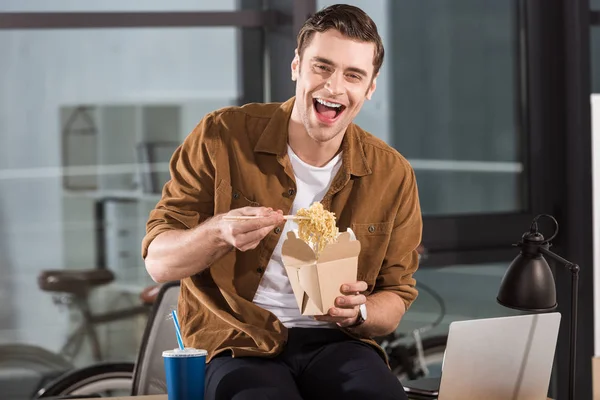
(278, 230)
(291, 192)
(236, 195)
(371, 228)
(259, 270)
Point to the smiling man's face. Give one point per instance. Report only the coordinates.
(333, 78)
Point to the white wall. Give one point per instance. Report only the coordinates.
(40, 70)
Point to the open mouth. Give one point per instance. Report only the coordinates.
(328, 112)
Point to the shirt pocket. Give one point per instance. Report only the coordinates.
(374, 239)
(229, 198)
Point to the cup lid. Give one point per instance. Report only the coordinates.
(187, 352)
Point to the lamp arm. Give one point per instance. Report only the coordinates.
(574, 268)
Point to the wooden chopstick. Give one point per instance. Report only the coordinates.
(249, 217)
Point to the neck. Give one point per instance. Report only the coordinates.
(309, 150)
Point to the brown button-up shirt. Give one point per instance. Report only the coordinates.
(237, 157)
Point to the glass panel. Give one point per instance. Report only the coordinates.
(88, 119)
(115, 5)
(452, 293)
(447, 99)
(460, 192)
(595, 56)
(595, 50)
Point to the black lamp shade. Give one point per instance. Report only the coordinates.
(528, 285)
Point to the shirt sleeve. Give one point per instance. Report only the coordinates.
(188, 197)
(402, 258)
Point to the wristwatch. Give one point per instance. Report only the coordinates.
(361, 317)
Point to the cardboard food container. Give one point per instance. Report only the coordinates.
(316, 283)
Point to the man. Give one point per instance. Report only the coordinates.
(268, 159)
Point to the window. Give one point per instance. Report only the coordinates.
(77, 107)
(114, 5)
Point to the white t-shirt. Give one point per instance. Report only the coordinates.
(274, 292)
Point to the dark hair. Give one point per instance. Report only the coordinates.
(350, 21)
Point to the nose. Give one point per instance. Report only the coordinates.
(335, 84)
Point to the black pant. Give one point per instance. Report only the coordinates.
(316, 363)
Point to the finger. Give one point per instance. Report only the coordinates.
(336, 320)
(350, 301)
(252, 239)
(328, 318)
(343, 312)
(249, 246)
(353, 288)
(269, 222)
(346, 322)
(241, 241)
(250, 211)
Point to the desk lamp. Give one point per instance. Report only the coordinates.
(529, 285)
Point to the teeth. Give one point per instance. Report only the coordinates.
(328, 104)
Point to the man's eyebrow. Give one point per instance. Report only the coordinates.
(329, 62)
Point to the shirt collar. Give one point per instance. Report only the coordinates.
(274, 140)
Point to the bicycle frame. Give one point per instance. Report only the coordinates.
(75, 340)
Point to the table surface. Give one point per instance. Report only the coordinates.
(154, 397)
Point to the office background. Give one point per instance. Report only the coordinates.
(489, 101)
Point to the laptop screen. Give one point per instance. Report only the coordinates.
(500, 358)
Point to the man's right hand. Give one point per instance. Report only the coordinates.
(247, 234)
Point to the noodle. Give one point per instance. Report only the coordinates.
(320, 229)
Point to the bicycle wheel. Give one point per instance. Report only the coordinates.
(106, 379)
(433, 356)
(26, 368)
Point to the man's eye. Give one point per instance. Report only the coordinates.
(323, 67)
(354, 77)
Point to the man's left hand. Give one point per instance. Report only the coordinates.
(345, 311)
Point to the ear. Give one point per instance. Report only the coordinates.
(295, 65)
(372, 87)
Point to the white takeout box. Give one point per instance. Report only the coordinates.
(316, 283)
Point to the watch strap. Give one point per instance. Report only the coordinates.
(359, 319)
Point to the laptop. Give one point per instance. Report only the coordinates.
(494, 359)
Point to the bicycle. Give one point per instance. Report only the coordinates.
(57, 372)
(422, 357)
(409, 359)
(412, 357)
